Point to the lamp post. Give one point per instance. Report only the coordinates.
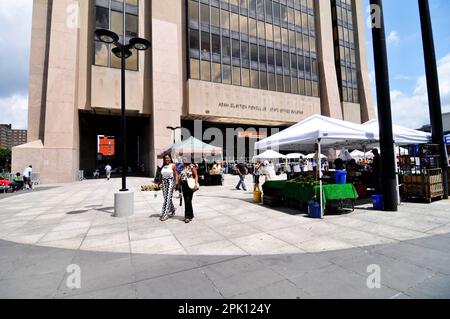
(123, 52)
(173, 129)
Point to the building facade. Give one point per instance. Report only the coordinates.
(10, 137)
(250, 64)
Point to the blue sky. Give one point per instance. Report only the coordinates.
(406, 59)
(408, 89)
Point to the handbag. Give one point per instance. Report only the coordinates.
(191, 183)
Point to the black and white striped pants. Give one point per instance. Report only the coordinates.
(167, 188)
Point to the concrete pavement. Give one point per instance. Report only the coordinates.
(233, 248)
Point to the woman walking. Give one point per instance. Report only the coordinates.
(256, 175)
(189, 185)
(169, 180)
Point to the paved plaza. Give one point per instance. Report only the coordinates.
(232, 249)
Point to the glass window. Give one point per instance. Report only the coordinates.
(269, 9)
(236, 49)
(225, 19)
(204, 14)
(269, 32)
(194, 43)
(252, 26)
(270, 56)
(284, 36)
(226, 74)
(206, 43)
(246, 77)
(263, 81)
(117, 22)
(244, 4)
(277, 34)
(244, 24)
(236, 75)
(206, 71)
(254, 79)
(215, 44)
(276, 12)
(131, 22)
(301, 86)
(280, 87)
(132, 62)
(216, 73)
(294, 85)
(262, 55)
(101, 54)
(308, 88)
(279, 58)
(193, 11)
(195, 69)
(284, 14)
(226, 47)
(261, 30)
(245, 53)
(215, 17)
(272, 82)
(254, 53)
(234, 22)
(101, 18)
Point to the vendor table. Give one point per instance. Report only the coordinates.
(331, 192)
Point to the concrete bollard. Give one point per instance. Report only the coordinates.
(123, 204)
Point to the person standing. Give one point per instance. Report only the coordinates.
(169, 180)
(188, 179)
(376, 171)
(241, 169)
(108, 170)
(256, 175)
(27, 177)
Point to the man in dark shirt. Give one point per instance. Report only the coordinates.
(376, 170)
(242, 170)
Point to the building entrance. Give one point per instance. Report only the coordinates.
(100, 144)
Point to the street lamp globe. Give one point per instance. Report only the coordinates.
(106, 36)
(140, 44)
(117, 51)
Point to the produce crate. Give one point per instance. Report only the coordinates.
(427, 186)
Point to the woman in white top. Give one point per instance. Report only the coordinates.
(169, 180)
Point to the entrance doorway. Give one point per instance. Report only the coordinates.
(100, 144)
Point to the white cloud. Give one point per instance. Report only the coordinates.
(393, 38)
(402, 77)
(14, 110)
(411, 110)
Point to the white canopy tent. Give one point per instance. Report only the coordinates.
(269, 154)
(402, 135)
(314, 155)
(320, 130)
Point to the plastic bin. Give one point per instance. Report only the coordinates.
(257, 197)
(314, 209)
(378, 202)
(340, 177)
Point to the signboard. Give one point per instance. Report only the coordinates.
(106, 145)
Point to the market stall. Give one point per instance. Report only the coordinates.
(316, 133)
(202, 154)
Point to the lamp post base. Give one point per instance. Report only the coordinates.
(123, 204)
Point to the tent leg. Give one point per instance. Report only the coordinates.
(319, 150)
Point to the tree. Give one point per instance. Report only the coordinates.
(5, 158)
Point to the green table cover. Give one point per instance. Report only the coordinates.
(305, 193)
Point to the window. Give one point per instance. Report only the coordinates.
(120, 17)
(252, 43)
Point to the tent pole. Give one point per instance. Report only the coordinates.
(319, 150)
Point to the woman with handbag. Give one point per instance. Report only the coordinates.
(189, 185)
(169, 180)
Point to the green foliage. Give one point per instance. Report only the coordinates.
(5, 157)
(304, 182)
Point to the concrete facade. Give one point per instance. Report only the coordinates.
(64, 82)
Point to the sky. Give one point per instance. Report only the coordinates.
(405, 53)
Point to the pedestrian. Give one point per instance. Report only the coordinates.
(376, 171)
(256, 175)
(108, 170)
(241, 170)
(301, 164)
(17, 183)
(189, 185)
(169, 180)
(27, 177)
